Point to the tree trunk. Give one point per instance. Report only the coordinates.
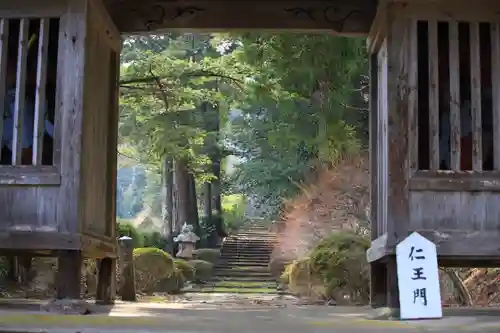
(167, 209)
(193, 217)
(465, 296)
(207, 201)
(181, 193)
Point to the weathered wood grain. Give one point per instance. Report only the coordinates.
(346, 17)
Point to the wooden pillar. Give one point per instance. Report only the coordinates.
(106, 283)
(377, 269)
(127, 270)
(69, 274)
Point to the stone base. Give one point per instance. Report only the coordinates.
(384, 313)
(67, 306)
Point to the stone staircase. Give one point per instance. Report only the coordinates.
(243, 265)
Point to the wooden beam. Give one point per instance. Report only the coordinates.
(346, 17)
(29, 175)
(449, 10)
(450, 243)
(397, 126)
(460, 181)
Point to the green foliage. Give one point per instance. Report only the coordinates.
(203, 270)
(209, 255)
(125, 228)
(296, 115)
(162, 90)
(152, 265)
(335, 266)
(154, 239)
(233, 210)
(185, 269)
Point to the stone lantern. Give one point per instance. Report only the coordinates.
(187, 242)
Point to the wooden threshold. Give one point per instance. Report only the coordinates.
(50, 242)
(468, 181)
(29, 175)
(451, 244)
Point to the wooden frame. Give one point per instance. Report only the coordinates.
(454, 208)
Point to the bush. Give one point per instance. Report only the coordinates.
(172, 284)
(185, 269)
(152, 265)
(154, 239)
(203, 270)
(233, 211)
(210, 255)
(277, 266)
(125, 228)
(334, 268)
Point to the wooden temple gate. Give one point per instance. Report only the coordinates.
(435, 120)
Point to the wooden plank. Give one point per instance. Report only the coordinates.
(495, 76)
(32, 8)
(72, 53)
(40, 95)
(348, 17)
(412, 95)
(433, 97)
(19, 104)
(455, 149)
(69, 274)
(38, 240)
(111, 154)
(451, 10)
(397, 109)
(476, 109)
(29, 175)
(4, 42)
(382, 139)
(378, 249)
(453, 243)
(462, 181)
(108, 26)
(374, 160)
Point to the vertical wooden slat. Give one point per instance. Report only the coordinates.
(433, 97)
(476, 110)
(413, 95)
(495, 75)
(455, 149)
(373, 147)
(40, 97)
(19, 108)
(4, 41)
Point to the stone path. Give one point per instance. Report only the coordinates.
(231, 314)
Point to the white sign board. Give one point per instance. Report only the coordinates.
(418, 278)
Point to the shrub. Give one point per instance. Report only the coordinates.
(210, 255)
(185, 269)
(172, 284)
(334, 268)
(125, 228)
(233, 211)
(203, 270)
(152, 265)
(154, 239)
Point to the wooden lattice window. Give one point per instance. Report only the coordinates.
(457, 114)
(28, 71)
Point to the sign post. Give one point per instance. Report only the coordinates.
(418, 278)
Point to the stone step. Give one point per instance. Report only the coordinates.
(250, 247)
(241, 263)
(246, 257)
(235, 258)
(231, 273)
(242, 269)
(245, 253)
(244, 279)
